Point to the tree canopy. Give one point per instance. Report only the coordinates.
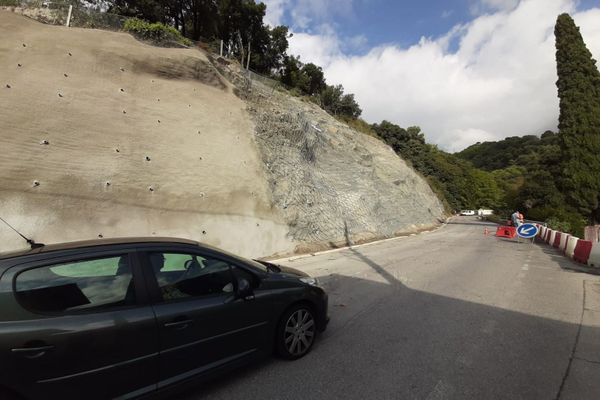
(240, 24)
(579, 120)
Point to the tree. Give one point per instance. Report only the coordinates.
(269, 55)
(334, 101)
(348, 107)
(312, 79)
(579, 121)
(291, 71)
(149, 10)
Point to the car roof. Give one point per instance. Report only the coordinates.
(96, 242)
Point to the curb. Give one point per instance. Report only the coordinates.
(318, 253)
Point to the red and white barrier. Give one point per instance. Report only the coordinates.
(582, 251)
(548, 235)
(556, 241)
(563, 241)
(583, 248)
(550, 238)
(571, 243)
(594, 259)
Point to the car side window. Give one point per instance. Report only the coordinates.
(181, 275)
(91, 284)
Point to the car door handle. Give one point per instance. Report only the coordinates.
(179, 324)
(32, 352)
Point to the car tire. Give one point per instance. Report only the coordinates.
(296, 332)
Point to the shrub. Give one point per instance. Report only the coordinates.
(360, 125)
(156, 32)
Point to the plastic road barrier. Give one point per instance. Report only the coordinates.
(594, 260)
(550, 237)
(506, 231)
(563, 241)
(556, 241)
(582, 251)
(571, 244)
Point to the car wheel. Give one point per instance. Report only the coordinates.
(296, 332)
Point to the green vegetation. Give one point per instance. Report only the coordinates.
(553, 177)
(579, 121)
(459, 183)
(239, 23)
(156, 32)
(527, 169)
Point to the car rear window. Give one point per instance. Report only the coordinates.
(82, 285)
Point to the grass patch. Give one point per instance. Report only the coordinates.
(157, 33)
(359, 124)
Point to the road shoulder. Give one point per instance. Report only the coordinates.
(582, 381)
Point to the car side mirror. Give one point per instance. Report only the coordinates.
(244, 290)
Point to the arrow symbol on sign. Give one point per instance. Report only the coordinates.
(526, 230)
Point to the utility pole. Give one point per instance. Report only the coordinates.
(248, 59)
(69, 16)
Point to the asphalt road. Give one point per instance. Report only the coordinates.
(450, 314)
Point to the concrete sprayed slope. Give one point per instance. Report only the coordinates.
(103, 135)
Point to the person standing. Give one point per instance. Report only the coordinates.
(516, 218)
(521, 219)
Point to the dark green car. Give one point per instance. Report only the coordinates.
(122, 318)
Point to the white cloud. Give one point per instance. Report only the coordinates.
(478, 7)
(305, 14)
(322, 49)
(500, 82)
(357, 43)
(275, 11)
(589, 22)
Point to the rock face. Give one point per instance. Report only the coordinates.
(104, 135)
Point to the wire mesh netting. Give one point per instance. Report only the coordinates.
(332, 184)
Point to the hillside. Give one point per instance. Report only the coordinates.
(514, 150)
(104, 135)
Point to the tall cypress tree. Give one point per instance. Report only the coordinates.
(579, 121)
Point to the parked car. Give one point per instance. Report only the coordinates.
(129, 317)
(467, 212)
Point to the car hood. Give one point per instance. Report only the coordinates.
(280, 269)
(292, 271)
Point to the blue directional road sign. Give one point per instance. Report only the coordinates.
(527, 231)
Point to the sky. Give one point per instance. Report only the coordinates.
(463, 70)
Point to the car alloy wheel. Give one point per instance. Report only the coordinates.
(298, 333)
